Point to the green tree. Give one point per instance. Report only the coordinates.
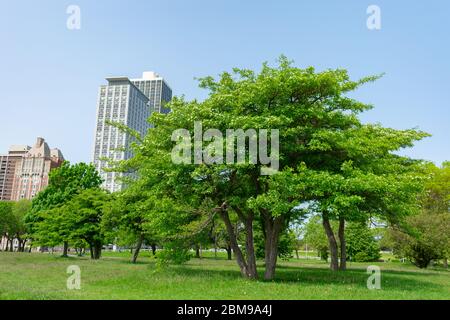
(125, 218)
(12, 222)
(361, 243)
(18, 227)
(327, 157)
(436, 197)
(424, 239)
(6, 217)
(84, 219)
(64, 183)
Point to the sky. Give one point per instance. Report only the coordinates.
(50, 74)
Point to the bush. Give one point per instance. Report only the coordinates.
(173, 254)
(421, 255)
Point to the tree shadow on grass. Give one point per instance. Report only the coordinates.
(384, 269)
(316, 276)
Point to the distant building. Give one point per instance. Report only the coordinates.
(24, 170)
(129, 102)
(8, 169)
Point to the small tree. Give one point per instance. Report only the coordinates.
(64, 183)
(84, 219)
(18, 227)
(361, 243)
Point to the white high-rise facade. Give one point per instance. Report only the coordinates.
(155, 89)
(129, 102)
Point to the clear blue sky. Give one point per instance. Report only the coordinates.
(50, 75)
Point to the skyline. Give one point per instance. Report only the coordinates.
(51, 74)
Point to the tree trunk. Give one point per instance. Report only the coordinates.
(446, 263)
(272, 228)
(197, 251)
(237, 251)
(250, 247)
(138, 248)
(91, 250)
(22, 245)
(65, 249)
(341, 234)
(153, 248)
(228, 248)
(334, 265)
(19, 242)
(97, 246)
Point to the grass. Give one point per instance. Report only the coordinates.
(43, 276)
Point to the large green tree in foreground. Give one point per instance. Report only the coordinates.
(342, 169)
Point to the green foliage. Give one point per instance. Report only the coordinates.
(65, 182)
(48, 222)
(436, 197)
(361, 244)
(425, 238)
(84, 217)
(286, 243)
(19, 210)
(6, 216)
(315, 237)
(328, 157)
(12, 223)
(175, 252)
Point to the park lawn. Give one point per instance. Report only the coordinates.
(43, 276)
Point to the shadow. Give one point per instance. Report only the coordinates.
(412, 270)
(390, 280)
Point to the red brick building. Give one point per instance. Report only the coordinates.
(24, 171)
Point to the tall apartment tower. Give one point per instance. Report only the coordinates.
(155, 89)
(8, 164)
(24, 171)
(129, 102)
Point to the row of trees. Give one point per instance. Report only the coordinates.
(331, 166)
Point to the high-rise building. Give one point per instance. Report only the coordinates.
(129, 102)
(155, 89)
(8, 164)
(24, 170)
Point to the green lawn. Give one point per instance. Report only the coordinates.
(43, 276)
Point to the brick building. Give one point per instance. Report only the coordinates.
(24, 170)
